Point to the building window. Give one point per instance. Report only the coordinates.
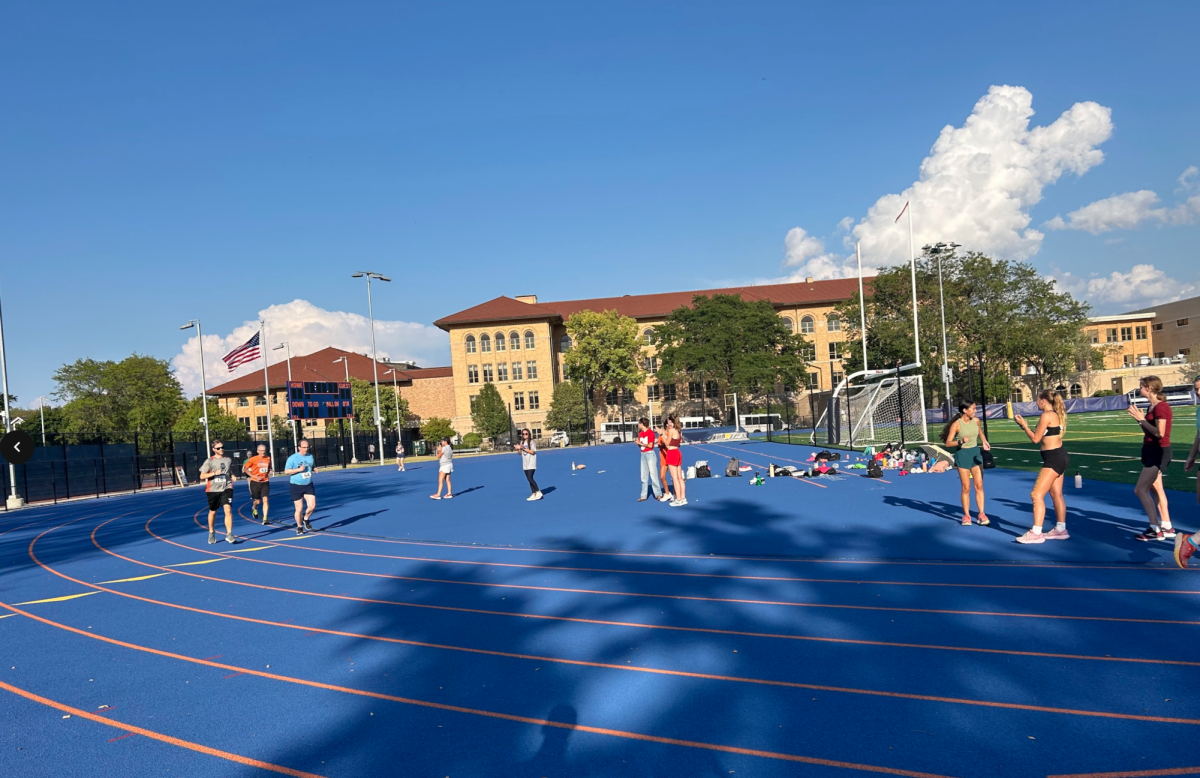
(814, 381)
(470, 344)
(310, 422)
(487, 374)
(806, 325)
(1142, 334)
(519, 401)
(710, 390)
(472, 374)
(651, 365)
(1160, 354)
(245, 420)
(535, 433)
(835, 351)
(1126, 333)
(1076, 391)
(694, 390)
(838, 375)
(653, 392)
(648, 336)
(514, 341)
(499, 341)
(833, 324)
(808, 352)
(611, 397)
(485, 343)
(260, 400)
(531, 370)
(516, 371)
(787, 324)
(1016, 396)
(529, 341)
(261, 423)
(668, 392)
(564, 343)
(1158, 326)
(1181, 322)
(1094, 336)
(1110, 335)
(1127, 360)
(243, 402)
(1185, 351)
(533, 401)
(502, 372)
(474, 397)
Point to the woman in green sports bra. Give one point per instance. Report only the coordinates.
(964, 437)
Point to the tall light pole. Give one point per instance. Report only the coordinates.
(396, 391)
(203, 383)
(42, 413)
(374, 356)
(353, 455)
(13, 500)
(288, 394)
(938, 248)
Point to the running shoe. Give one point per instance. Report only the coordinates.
(539, 494)
(966, 521)
(1151, 533)
(1032, 537)
(307, 526)
(212, 538)
(264, 520)
(1183, 549)
(230, 539)
(1168, 533)
(299, 530)
(254, 510)
(1056, 534)
(984, 520)
(531, 498)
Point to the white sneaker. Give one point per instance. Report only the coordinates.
(531, 498)
(539, 494)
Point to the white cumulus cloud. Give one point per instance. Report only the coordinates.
(1143, 285)
(1130, 210)
(309, 328)
(976, 187)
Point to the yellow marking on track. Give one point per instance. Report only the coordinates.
(201, 562)
(8, 615)
(243, 550)
(294, 537)
(139, 578)
(58, 599)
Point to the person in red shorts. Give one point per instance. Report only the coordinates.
(258, 470)
(675, 461)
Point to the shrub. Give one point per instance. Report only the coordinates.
(472, 440)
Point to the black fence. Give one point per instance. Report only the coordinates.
(78, 466)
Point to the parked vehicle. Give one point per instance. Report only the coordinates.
(1181, 394)
(761, 422)
(618, 432)
(697, 422)
(560, 439)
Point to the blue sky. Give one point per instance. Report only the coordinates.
(163, 162)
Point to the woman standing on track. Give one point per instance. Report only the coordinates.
(668, 494)
(1049, 434)
(445, 455)
(963, 434)
(528, 451)
(675, 461)
(1156, 455)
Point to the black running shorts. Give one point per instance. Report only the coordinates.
(299, 490)
(1056, 459)
(217, 499)
(1154, 455)
(260, 489)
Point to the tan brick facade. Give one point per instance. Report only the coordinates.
(528, 397)
(1125, 338)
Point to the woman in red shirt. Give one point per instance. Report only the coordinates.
(1156, 455)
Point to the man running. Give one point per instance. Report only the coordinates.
(218, 488)
(300, 467)
(258, 470)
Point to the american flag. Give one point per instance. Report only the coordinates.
(247, 352)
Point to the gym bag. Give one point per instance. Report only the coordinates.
(731, 470)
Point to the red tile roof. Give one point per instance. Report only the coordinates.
(653, 306)
(319, 366)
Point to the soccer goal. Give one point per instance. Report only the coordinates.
(873, 408)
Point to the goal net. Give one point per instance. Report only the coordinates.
(874, 408)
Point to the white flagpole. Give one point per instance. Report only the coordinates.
(862, 304)
(262, 347)
(913, 268)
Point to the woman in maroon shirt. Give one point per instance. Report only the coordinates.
(1156, 455)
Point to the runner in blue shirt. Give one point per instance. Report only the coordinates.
(300, 467)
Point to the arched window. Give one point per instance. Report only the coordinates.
(564, 344)
(499, 341)
(470, 344)
(514, 341)
(807, 325)
(1076, 391)
(833, 324)
(648, 336)
(787, 323)
(485, 343)
(243, 402)
(529, 341)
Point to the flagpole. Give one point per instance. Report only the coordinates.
(913, 269)
(862, 303)
(262, 343)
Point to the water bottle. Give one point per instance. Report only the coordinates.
(572, 467)
(1078, 481)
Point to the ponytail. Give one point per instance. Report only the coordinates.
(1155, 385)
(1056, 403)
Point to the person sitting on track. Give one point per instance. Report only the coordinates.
(1049, 434)
(1156, 455)
(258, 470)
(964, 435)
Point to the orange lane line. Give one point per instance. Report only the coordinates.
(601, 622)
(419, 703)
(691, 598)
(717, 575)
(1135, 773)
(132, 730)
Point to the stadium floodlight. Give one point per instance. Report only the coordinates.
(353, 453)
(370, 274)
(203, 383)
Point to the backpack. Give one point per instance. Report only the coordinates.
(731, 470)
(874, 470)
(702, 471)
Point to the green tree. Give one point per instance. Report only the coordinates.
(472, 440)
(489, 414)
(221, 425)
(362, 394)
(606, 351)
(744, 346)
(434, 429)
(137, 394)
(567, 410)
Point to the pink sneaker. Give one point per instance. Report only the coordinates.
(966, 521)
(1056, 534)
(1031, 537)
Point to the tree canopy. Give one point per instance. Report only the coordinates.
(221, 425)
(567, 409)
(434, 429)
(137, 394)
(743, 345)
(606, 351)
(362, 394)
(489, 414)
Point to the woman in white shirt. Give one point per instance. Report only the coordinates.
(528, 450)
(445, 455)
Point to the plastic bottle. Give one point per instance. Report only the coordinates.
(572, 467)
(1078, 481)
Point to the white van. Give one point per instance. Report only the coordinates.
(610, 431)
(761, 422)
(697, 422)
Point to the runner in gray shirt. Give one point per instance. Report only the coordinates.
(528, 451)
(217, 475)
(445, 455)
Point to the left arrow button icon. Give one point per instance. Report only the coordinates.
(16, 447)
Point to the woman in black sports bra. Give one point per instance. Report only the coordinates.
(1049, 434)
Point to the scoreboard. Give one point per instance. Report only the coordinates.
(319, 400)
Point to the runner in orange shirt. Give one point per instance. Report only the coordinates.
(258, 470)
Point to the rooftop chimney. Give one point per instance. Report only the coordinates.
(807, 281)
(527, 298)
